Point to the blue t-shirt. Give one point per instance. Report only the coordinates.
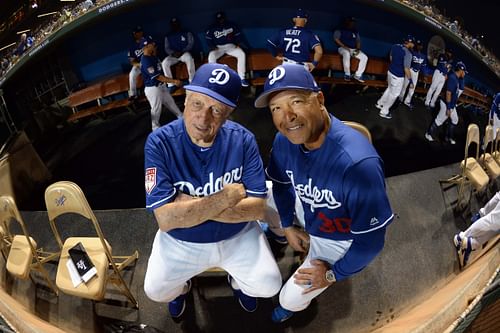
(443, 64)
(348, 37)
(173, 163)
(223, 34)
(135, 52)
(453, 86)
(179, 42)
(341, 187)
(417, 60)
(495, 106)
(401, 59)
(150, 69)
(295, 43)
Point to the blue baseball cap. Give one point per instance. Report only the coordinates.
(301, 13)
(409, 39)
(461, 65)
(285, 77)
(217, 81)
(146, 41)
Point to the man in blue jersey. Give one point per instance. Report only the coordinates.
(447, 106)
(178, 46)
(349, 42)
(438, 78)
(296, 44)
(399, 68)
(134, 57)
(417, 62)
(154, 83)
(224, 38)
(495, 113)
(338, 177)
(205, 182)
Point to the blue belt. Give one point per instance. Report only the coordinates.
(292, 61)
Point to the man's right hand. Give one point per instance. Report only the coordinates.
(298, 239)
(234, 193)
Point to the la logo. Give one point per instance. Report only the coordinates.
(276, 74)
(219, 76)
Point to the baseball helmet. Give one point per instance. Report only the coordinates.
(218, 81)
(460, 65)
(285, 77)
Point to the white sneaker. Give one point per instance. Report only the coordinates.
(429, 137)
(386, 116)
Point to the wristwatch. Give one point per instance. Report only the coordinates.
(330, 276)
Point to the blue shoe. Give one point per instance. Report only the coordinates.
(178, 305)
(280, 314)
(248, 303)
(270, 235)
(464, 249)
(244, 83)
(347, 78)
(475, 217)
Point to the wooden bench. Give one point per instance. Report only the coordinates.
(101, 97)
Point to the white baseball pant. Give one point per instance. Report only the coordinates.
(233, 51)
(394, 86)
(434, 91)
(346, 54)
(488, 226)
(132, 80)
(411, 90)
(158, 96)
(245, 256)
(441, 116)
(171, 60)
(496, 124)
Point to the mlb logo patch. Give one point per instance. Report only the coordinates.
(151, 70)
(150, 181)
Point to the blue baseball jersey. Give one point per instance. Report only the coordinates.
(136, 51)
(348, 37)
(341, 187)
(179, 42)
(495, 106)
(400, 59)
(150, 69)
(173, 164)
(223, 34)
(443, 64)
(417, 60)
(453, 86)
(295, 43)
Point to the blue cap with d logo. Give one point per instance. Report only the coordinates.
(217, 81)
(286, 77)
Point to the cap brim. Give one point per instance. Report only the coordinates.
(210, 93)
(263, 100)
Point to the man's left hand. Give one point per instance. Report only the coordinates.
(314, 277)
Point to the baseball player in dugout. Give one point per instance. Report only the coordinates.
(447, 107)
(349, 42)
(178, 45)
(205, 183)
(134, 57)
(417, 62)
(295, 44)
(224, 37)
(438, 78)
(154, 83)
(338, 177)
(399, 68)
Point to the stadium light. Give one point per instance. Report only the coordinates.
(46, 14)
(22, 32)
(7, 46)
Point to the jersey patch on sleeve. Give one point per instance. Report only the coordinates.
(151, 70)
(150, 181)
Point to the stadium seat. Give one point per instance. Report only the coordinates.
(496, 152)
(66, 197)
(486, 159)
(23, 256)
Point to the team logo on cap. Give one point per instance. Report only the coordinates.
(219, 76)
(276, 74)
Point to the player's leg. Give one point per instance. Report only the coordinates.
(450, 131)
(154, 98)
(496, 123)
(382, 100)
(291, 295)
(432, 88)
(215, 54)
(167, 63)
(187, 58)
(169, 102)
(172, 263)
(411, 91)
(240, 56)
(132, 80)
(346, 60)
(250, 262)
(490, 205)
(406, 82)
(439, 87)
(393, 92)
(363, 59)
(485, 228)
